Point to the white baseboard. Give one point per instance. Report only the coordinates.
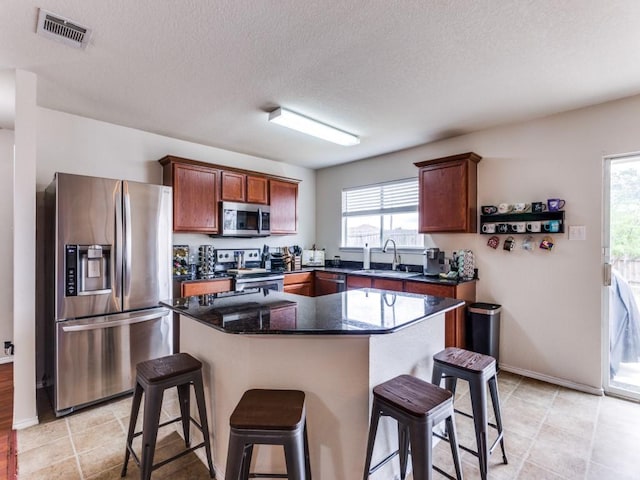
(556, 381)
(29, 422)
(6, 358)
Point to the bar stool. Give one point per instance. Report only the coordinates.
(153, 377)
(417, 406)
(479, 370)
(269, 417)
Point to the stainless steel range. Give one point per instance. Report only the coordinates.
(244, 265)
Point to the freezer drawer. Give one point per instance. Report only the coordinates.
(96, 357)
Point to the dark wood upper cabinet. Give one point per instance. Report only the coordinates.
(284, 206)
(195, 195)
(257, 189)
(448, 194)
(233, 187)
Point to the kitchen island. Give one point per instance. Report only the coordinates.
(335, 348)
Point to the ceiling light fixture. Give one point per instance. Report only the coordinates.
(307, 125)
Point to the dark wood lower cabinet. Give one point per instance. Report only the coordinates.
(300, 283)
(455, 320)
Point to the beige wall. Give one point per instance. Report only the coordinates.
(6, 236)
(551, 317)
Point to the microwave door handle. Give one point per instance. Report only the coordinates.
(259, 221)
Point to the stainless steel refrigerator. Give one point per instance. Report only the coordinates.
(108, 265)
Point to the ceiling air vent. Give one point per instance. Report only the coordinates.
(62, 29)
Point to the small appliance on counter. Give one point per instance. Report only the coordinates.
(312, 258)
(207, 262)
(434, 262)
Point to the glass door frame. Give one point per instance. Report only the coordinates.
(606, 272)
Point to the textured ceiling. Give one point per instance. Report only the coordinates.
(398, 73)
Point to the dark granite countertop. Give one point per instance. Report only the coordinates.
(354, 312)
(383, 273)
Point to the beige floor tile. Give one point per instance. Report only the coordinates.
(102, 458)
(584, 400)
(614, 450)
(522, 416)
(64, 470)
(45, 455)
(41, 434)
(89, 418)
(600, 472)
(530, 471)
(535, 391)
(561, 452)
(110, 432)
(569, 420)
(113, 473)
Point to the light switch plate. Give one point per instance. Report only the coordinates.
(577, 232)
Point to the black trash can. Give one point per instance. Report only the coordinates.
(483, 329)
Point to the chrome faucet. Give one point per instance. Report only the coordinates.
(396, 259)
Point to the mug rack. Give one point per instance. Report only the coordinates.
(522, 217)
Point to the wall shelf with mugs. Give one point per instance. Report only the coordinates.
(517, 223)
(527, 218)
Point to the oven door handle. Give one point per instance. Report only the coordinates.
(116, 323)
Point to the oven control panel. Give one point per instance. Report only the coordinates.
(229, 257)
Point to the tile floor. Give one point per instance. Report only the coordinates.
(551, 433)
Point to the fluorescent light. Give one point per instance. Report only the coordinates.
(307, 125)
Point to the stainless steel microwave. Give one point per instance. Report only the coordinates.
(245, 220)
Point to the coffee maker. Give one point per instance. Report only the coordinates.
(434, 262)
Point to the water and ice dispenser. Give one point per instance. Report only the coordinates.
(87, 269)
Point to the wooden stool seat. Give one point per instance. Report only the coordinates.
(160, 369)
(153, 377)
(269, 417)
(480, 371)
(417, 406)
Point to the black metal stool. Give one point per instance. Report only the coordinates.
(479, 370)
(417, 406)
(153, 377)
(269, 417)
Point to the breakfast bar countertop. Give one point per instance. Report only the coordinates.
(354, 312)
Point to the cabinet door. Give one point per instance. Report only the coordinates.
(283, 317)
(257, 190)
(195, 198)
(355, 281)
(299, 289)
(387, 284)
(448, 194)
(204, 287)
(283, 206)
(233, 187)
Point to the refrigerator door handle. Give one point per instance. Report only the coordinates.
(127, 228)
(129, 320)
(117, 262)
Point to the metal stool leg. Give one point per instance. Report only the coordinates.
(453, 442)
(152, 406)
(421, 446)
(246, 462)
(307, 462)
(184, 399)
(294, 457)
(135, 409)
(479, 405)
(202, 411)
(373, 430)
(234, 457)
(495, 399)
(403, 449)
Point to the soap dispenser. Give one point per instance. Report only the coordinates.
(366, 261)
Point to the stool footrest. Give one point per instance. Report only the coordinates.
(383, 462)
(468, 415)
(178, 455)
(443, 473)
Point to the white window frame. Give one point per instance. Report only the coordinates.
(394, 205)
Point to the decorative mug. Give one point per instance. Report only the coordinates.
(538, 207)
(505, 208)
(546, 243)
(552, 226)
(489, 209)
(518, 227)
(493, 242)
(488, 227)
(503, 228)
(555, 204)
(509, 244)
(521, 207)
(534, 227)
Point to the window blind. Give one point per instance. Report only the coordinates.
(392, 197)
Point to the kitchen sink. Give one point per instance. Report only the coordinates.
(385, 273)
